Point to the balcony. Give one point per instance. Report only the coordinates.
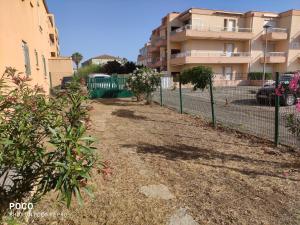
(208, 32)
(276, 34)
(154, 48)
(161, 42)
(274, 57)
(199, 57)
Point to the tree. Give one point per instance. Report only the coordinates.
(112, 67)
(85, 71)
(199, 76)
(129, 67)
(77, 58)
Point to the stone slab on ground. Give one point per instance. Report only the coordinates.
(157, 191)
(181, 217)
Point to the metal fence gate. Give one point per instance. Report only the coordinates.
(112, 87)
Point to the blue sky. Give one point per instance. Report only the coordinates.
(121, 27)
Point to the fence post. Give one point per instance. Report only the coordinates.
(180, 95)
(277, 106)
(161, 94)
(212, 103)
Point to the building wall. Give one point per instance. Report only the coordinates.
(294, 42)
(28, 21)
(252, 22)
(60, 67)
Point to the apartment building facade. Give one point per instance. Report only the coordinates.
(231, 43)
(29, 39)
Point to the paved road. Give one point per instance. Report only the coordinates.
(235, 107)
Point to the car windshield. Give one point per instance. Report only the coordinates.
(67, 79)
(285, 79)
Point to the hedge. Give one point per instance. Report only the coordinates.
(259, 76)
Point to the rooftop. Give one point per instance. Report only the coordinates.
(105, 57)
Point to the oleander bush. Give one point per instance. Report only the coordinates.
(293, 119)
(43, 142)
(143, 82)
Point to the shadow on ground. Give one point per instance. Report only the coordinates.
(129, 114)
(208, 157)
(248, 102)
(116, 101)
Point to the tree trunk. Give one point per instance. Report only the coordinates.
(149, 98)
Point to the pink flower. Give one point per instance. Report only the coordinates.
(298, 106)
(279, 90)
(294, 83)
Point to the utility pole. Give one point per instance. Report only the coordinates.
(266, 27)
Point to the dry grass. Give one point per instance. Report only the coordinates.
(222, 177)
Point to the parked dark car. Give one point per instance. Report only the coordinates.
(65, 82)
(267, 94)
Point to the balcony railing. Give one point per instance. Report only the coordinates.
(271, 54)
(277, 30)
(211, 29)
(196, 53)
(274, 57)
(230, 76)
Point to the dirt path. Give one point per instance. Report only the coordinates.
(217, 177)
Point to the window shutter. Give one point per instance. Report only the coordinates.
(45, 67)
(27, 59)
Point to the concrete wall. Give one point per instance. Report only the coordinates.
(60, 67)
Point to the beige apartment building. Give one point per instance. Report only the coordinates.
(231, 43)
(29, 40)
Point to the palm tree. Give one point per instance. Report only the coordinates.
(77, 57)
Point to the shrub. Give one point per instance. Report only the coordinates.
(198, 76)
(143, 82)
(83, 72)
(43, 142)
(259, 76)
(293, 120)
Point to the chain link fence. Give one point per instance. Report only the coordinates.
(235, 107)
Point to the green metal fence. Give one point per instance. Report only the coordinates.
(113, 87)
(235, 107)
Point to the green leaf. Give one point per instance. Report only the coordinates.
(78, 196)
(69, 197)
(88, 191)
(87, 139)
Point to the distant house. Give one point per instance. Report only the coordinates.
(102, 60)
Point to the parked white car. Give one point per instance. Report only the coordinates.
(99, 75)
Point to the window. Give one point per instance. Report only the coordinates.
(270, 22)
(229, 25)
(44, 65)
(26, 58)
(36, 58)
(227, 72)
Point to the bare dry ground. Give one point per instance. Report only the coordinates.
(220, 177)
